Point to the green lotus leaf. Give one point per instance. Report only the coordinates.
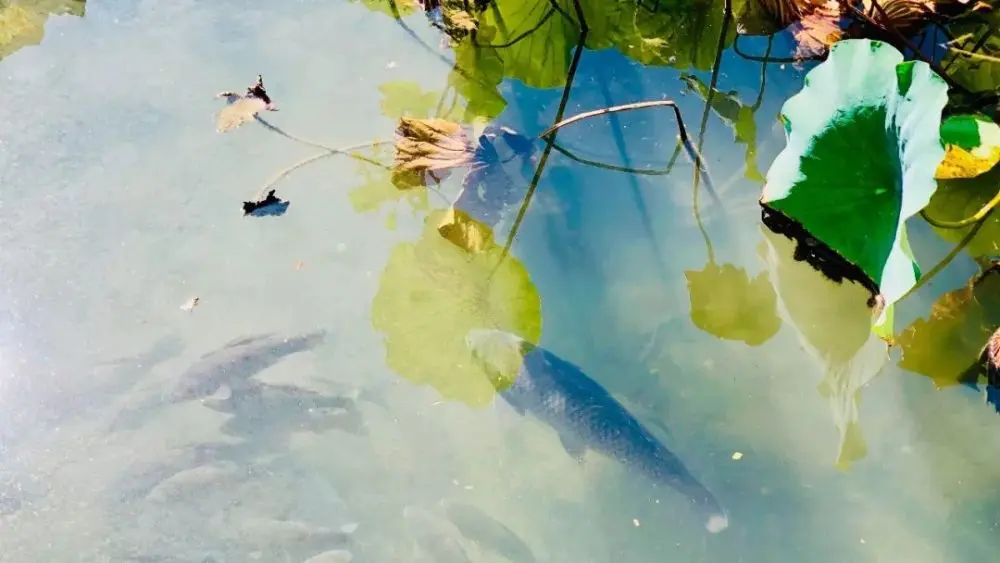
(973, 146)
(433, 291)
(863, 144)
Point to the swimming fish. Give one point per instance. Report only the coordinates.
(230, 366)
(533, 380)
(237, 361)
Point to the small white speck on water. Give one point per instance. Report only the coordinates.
(468, 487)
(862, 540)
(635, 522)
(349, 528)
(341, 247)
(190, 304)
(737, 456)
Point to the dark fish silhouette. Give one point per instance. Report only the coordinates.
(238, 361)
(533, 380)
(232, 365)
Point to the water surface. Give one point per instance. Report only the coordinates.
(120, 202)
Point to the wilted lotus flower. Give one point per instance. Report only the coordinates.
(428, 147)
(242, 108)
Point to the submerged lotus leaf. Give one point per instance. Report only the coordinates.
(948, 342)
(973, 146)
(959, 199)
(406, 98)
(377, 188)
(863, 143)
(22, 24)
(433, 292)
(726, 303)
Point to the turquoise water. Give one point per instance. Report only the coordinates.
(119, 202)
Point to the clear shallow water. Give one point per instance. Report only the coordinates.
(119, 203)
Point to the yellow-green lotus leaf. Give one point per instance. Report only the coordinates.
(433, 292)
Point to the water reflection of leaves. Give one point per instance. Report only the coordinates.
(433, 292)
(377, 188)
(833, 323)
(22, 24)
(958, 199)
(860, 210)
(945, 344)
(406, 98)
(738, 116)
(532, 41)
(726, 303)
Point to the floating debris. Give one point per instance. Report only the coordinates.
(190, 304)
(241, 108)
(737, 456)
(270, 205)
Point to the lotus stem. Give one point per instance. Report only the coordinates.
(549, 136)
(978, 216)
(328, 152)
(949, 257)
(682, 131)
(596, 164)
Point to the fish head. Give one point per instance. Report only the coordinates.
(499, 354)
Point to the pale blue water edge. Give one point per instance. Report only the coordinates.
(119, 203)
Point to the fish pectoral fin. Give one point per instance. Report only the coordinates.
(575, 448)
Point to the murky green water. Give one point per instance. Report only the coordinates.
(119, 203)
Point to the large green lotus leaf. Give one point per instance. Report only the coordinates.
(23, 23)
(863, 143)
(959, 199)
(432, 292)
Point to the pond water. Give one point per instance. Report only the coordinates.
(119, 205)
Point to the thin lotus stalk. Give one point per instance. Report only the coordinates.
(977, 216)
(940, 266)
(550, 137)
(682, 130)
(327, 152)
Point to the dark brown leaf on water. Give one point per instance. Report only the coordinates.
(270, 205)
(425, 146)
(241, 108)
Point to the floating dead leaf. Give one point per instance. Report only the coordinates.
(428, 146)
(241, 108)
(270, 205)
